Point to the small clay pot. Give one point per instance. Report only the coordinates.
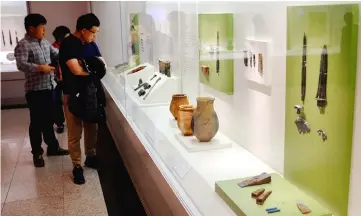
(185, 119)
(205, 121)
(177, 100)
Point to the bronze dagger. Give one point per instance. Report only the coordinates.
(2, 33)
(217, 62)
(304, 61)
(11, 41)
(322, 82)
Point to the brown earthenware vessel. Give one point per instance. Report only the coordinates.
(177, 100)
(185, 119)
(205, 121)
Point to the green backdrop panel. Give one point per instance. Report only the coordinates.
(322, 169)
(284, 196)
(208, 25)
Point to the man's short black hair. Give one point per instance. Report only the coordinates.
(87, 21)
(34, 20)
(60, 32)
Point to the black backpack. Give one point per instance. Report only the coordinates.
(88, 102)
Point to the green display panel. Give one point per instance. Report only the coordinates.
(284, 196)
(321, 168)
(134, 37)
(216, 39)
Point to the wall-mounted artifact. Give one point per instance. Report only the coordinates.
(323, 134)
(251, 59)
(165, 67)
(299, 109)
(257, 193)
(261, 179)
(205, 123)
(302, 125)
(262, 198)
(245, 58)
(303, 207)
(185, 119)
(3, 37)
(304, 61)
(322, 81)
(151, 88)
(216, 37)
(16, 36)
(137, 69)
(177, 100)
(254, 60)
(10, 40)
(260, 63)
(205, 70)
(217, 62)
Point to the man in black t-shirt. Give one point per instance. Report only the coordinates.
(77, 46)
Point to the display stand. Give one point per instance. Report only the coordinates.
(192, 144)
(284, 196)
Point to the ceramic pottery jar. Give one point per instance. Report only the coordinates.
(205, 121)
(177, 100)
(185, 119)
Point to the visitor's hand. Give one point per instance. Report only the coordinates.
(46, 68)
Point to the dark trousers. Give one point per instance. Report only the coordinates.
(58, 112)
(41, 121)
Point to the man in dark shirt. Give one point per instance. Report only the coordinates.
(77, 46)
(33, 55)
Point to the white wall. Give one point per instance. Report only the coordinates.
(110, 36)
(59, 13)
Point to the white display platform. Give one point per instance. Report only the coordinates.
(192, 144)
(160, 94)
(191, 175)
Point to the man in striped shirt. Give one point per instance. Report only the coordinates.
(33, 56)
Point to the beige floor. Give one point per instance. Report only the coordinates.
(26, 190)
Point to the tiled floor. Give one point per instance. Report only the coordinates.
(26, 190)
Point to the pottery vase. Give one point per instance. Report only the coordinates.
(177, 100)
(205, 121)
(185, 119)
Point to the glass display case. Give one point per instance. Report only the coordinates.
(247, 107)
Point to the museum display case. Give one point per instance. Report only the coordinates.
(246, 108)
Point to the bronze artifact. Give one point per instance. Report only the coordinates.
(177, 100)
(217, 62)
(251, 60)
(260, 63)
(303, 207)
(11, 41)
(263, 178)
(151, 87)
(245, 58)
(141, 93)
(304, 62)
(254, 60)
(322, 82)
(137, 69)
(205, 70)
(164, 67)
(185, 119)
(257, 193)
(205, 120)
(262, 198)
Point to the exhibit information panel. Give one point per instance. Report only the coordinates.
(246, 107)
